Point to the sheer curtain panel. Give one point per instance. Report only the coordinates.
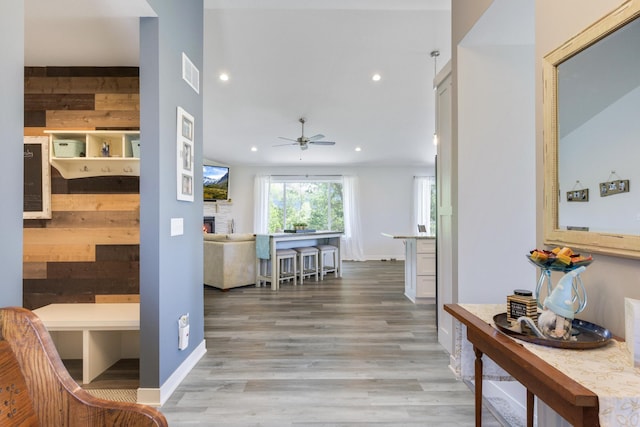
(352, 239)
(261, 206)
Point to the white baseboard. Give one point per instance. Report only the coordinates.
(380, 257)
(453, 362)
(500, 399)
(158, 396)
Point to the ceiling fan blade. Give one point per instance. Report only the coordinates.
(303, 141)
(289, 144)
(288, 139)
(322, 142)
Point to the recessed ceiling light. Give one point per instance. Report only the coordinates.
(376, 77)
(254, 148)
(224, 77)
(358, 149)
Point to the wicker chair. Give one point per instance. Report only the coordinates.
(37, 390)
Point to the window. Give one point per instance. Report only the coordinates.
(318, 203)
(424, 196)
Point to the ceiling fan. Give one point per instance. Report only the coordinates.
(303, 141)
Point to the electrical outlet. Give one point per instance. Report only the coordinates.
(183, 332)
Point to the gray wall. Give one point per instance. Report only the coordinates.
(170, 267)
(11, 160)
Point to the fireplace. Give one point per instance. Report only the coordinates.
(209, 224)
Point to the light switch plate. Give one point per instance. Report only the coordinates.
(177, 226)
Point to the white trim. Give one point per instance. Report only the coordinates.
(378, 257)
(437, 5)
(512, 408)
(159, 396)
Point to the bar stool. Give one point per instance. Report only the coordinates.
(308, 261)
(324, 268)
(286, 265)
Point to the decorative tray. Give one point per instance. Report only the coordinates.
(584, 334)
(554, 265)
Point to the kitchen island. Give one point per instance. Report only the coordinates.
(267, 244)
(419, 265)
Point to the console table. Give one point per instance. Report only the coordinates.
(575, 403)
(294, 240)
(594, 387)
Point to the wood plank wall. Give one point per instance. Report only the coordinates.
(90, 249)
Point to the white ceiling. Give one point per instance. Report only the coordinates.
(286, 59)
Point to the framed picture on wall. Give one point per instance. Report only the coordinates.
(187, 128)
(37, 178)
(184, 155)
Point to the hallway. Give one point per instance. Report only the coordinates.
(342, 352)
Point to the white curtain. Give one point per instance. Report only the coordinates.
(352, 239)
(261, 187)
(422, 202)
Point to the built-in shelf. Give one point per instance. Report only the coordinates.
(80, 154)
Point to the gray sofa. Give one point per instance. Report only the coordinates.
(229, 260)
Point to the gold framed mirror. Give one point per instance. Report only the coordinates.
(583, 100)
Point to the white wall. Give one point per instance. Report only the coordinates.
(385, 201)
(496, 171)
(496, 179)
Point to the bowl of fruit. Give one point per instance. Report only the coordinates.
(558, 259)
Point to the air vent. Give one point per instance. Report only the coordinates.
(190, 73)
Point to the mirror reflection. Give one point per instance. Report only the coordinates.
(599, 134)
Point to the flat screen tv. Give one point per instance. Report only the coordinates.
(215, 182)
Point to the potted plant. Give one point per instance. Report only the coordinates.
(300, 225)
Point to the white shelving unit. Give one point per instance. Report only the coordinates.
(90, 159)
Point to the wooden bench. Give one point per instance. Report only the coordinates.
(37, 390)
(99, 334)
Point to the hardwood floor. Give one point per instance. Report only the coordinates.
(342, 352)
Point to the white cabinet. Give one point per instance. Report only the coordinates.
(420, 268)
(79, 154)
(426, 268)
